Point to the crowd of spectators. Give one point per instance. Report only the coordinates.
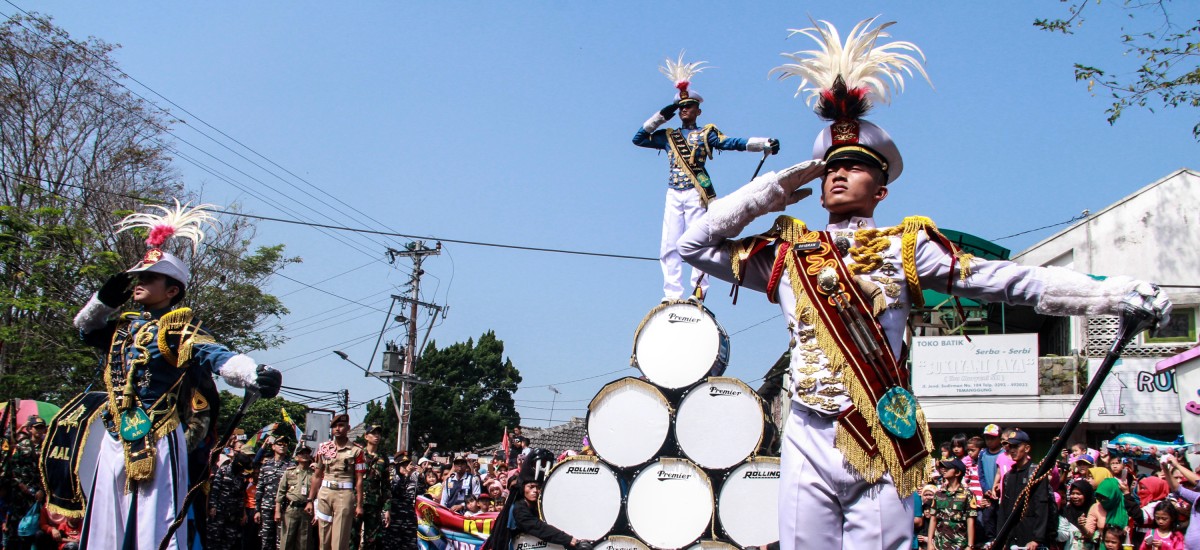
(1090, 499)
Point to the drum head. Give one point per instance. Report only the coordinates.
(582, 484)
(620, 542)
(627, 422)
(530, 542)
(670, 503)
(678, 343)
(719, 423)
(748, 507)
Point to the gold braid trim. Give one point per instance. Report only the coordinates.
(886, 461)
(172, 321)
(965, 261)
(65, 512)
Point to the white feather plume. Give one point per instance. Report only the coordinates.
(181, 221)
(678, 71)
(859, 61)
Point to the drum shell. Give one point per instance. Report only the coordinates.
(620, 542)
(629, 423)
(675, 328)
(719, 423)
(530, 542)
(756, 482)
(588, 475)
(658, 495)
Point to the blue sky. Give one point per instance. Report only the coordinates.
(510, 122)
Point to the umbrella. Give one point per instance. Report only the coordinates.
(30, 407)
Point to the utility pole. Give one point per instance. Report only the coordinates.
(415, 251)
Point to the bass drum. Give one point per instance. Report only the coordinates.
(719, 423)
(678, 343)
(530, 542)
(620, 542)
(670, 503)
(582, 480)
(70, 453)
(712, 545)
(628, 422)
(746, 507)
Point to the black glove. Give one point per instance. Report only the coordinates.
(668, 112)
(268, 381)
(773, 146)
(116, 290)
(583, 545)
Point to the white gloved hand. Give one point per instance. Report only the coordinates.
(770, 192)
(1150, 299)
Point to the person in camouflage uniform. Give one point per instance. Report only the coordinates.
(225, 502)
(290, 498)
(269, 474)
(24, 480)
(376, 488)
(952, 516)
(399, 516)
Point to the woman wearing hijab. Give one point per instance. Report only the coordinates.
(1115, 506)
(1151, 491)
(1080, 497)
(1098, 475)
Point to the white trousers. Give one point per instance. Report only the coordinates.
(824, 504)
(140, 517)
(682, 208)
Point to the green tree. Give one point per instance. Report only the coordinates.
(1166, 51)
(468, 399)
(78, 151)
(261, 413)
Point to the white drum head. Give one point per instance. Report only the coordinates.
(620, 542)
(670, 503)
(628, 422)
(582, 497)
(719, 423)
(748, 506)
(529, 542)
(678, 343)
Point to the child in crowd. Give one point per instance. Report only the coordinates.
(952, 517)
(472, 506)
(1114, 537)
(971, 460)
(1165, 535)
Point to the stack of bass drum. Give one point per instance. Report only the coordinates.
(677, 463)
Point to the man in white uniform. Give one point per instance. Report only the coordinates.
(688, 185)
(856, 445)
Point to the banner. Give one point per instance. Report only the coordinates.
(996, 364)
(440, 529)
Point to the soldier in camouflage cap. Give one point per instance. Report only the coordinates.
(269, 474)
(376, 487)
(399, 516)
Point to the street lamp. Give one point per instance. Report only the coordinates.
(552, 401)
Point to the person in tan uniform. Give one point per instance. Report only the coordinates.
(337, 484)
(291, 499)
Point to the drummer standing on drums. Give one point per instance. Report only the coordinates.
(155, 362)
(689, 188)
(856, 445)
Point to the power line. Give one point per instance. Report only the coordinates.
(1081, 216)
(171, 149)
(357, 229)
(63, 35)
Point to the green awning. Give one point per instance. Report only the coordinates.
(972, 245)
(934, 298)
